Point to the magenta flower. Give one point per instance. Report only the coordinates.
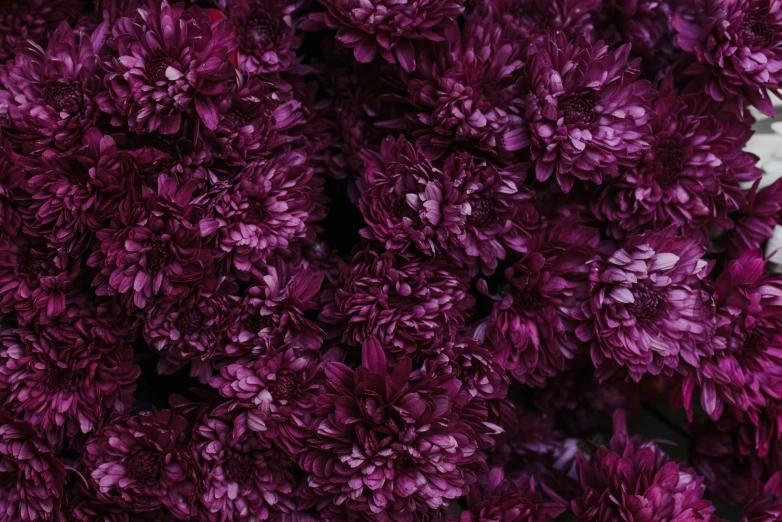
(31, 21)
(246, 479)
(141, 462)
(279, 389)
(271, 205)
(50, 94)
(633, 480)
(179, 158)
(648, 312)
(738, 48)
(407, 304)
(31, 477)
(764, 503)
(170, 62)
(387, 28)
(530, 330)
(755, 220)
(267, 41)
(153, 248)
(587, 111)
(65, 379)
(385, 448)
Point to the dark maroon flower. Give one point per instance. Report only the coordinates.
(179, 158)
(67, 197)
(465, 93)
(171, 62)
(270, 206)
(588, 113)
(10, 178)
(50, 94)
(764, 503)
(279, 389)
(387, 28)
(265, 30)
(141, 462)
(530, 330)
(153, 248)
(385, 448)
(407, 304)
(65, 379)
(738, 47)
(32, 20)
(246, 479)
(648, 312)
(85, 509)
(31, 477)
(631, 479)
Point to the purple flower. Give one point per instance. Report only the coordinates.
(738, 48)
(31, 477)
(270, 206)
(686, 178)
(265, 30)
(31, 21)
(170, 61)
(763, 503)
(530, 330)
(50, 94)
(67, 197)
(755, 220)
(153, 248)
(246, 479)
(188, 329)
(587, 111)
(279, 388)
(388, 28)
(648, 312)
(466, 209)
(385, 448)
(65, 379)
(179, 158)
(631, 479)
(407, 304)
(141, 463)
(465, 93)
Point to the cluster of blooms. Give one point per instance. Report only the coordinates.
(345, 261)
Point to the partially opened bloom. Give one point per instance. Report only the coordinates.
(407, 304)
(587, 110)
(385, 448)
(738, 48)
(31, 477)
(141, 462)
(267, 40)
(171, 63)
(51, 93)
(648, 312)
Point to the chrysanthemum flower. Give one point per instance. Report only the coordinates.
(407, 304)
(634, 480)
(141, 462)
(384, 448)
(65, 379)
(67, 197)
(387, 28)
(31, 477)
(153, 248)
(31, 21)
(270, 205)
(267, 41)
(50, 94)
(648, 312)
(465, 93)
(587, 111)
(738, 48)
(170, 63)
(530, 330)
(764, 503)
(754, 221)
(246, 479)
(279, 389)
(178, 158)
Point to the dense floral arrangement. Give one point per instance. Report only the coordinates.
(393, 261)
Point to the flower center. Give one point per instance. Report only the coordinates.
(524, 300)
(257, 322)
(235, 120)
(61, 96)
(285, 388)
(143, 466)
(578, 108)
(58, 378)
(482, 212)
(157, 64)
(190, 321)
(402, 301)
(156, 256)
(755, 30)
(32, 265)
(259, 32)
(402, 210)
(647, 306)
(668, 165)
(256, 212)
(239, 467)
